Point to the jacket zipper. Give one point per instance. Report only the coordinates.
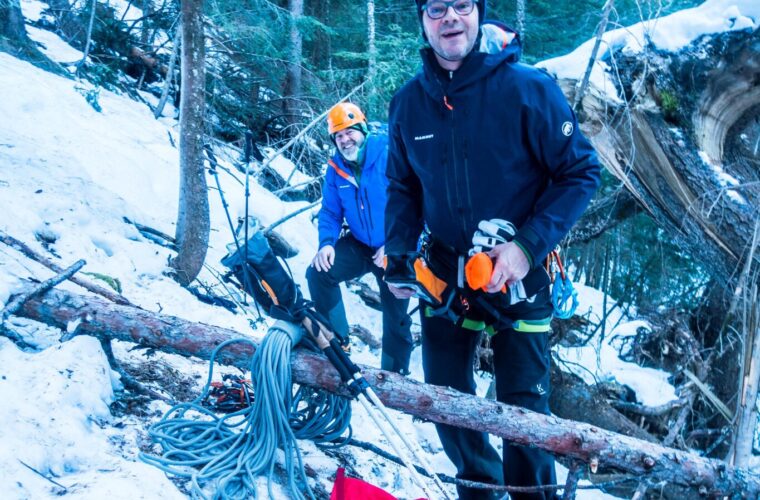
(468, 190)
(360, 209)
(369, 217)
(455, 208)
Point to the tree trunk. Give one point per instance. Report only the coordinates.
(293, 81)
(193, 223)
(520, 18)
(88, 42)
(572, 399)
(701, 476)
(673, 146)
(746, 421)
(372, 49)
(600, 29)
(12, 22)
(169, 78)
(745, 307)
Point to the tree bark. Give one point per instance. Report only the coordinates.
(671, 145)
(600, 29)
(703, 477)
(746, 422)
(12, 22)
(193, 224)
(520, 18)
(88, 43)
(294, 79)
(371, 47)
(169, 78)
(572, 399)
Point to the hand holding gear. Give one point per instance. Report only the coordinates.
(491, 233)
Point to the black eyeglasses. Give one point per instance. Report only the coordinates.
(438, 8)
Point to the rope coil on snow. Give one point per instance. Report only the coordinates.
(227, 453)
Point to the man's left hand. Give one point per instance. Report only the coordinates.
(510, 265)
(379, 256)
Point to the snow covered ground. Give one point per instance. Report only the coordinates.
(68, 176)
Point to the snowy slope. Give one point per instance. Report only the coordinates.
(68, 176)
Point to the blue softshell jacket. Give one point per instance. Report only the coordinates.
(362, 203)
(494, 139)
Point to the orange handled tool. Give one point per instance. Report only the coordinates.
(478, 272)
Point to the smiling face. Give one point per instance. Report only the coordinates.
(452, 36)
(349, 141)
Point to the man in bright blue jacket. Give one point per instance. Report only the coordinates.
(354, 191)
(477, 142)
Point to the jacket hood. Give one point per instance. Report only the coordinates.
(497, 44)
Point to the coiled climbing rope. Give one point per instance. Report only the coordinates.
(224, 455)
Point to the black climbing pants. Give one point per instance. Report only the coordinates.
(521, 370)
(353, 259)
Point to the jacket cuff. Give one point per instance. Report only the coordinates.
(527, 240)
(326, 241)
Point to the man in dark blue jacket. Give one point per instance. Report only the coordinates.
(354, 191)
(477, 137)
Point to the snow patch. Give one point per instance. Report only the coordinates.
(670, 33)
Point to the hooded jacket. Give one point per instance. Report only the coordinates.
(360, 202)
(493, 139)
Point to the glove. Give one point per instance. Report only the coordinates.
(491, 233)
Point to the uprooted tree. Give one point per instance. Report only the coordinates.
(683, 140)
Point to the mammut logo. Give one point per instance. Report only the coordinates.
(423, 137)
(567, 129)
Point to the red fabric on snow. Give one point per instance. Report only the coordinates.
(349, 488)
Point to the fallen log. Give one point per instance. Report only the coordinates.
(700, 476)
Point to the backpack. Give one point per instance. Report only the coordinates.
(259, 272)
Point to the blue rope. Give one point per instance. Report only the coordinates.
(564, 297)
(227, 453)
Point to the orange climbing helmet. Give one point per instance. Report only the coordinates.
(345, 115)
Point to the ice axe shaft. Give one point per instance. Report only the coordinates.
(360, 388)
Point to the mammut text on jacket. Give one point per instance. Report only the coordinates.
(494, 139)
(361, 203)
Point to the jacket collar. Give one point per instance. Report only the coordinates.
(373, 148)
(499, 44)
